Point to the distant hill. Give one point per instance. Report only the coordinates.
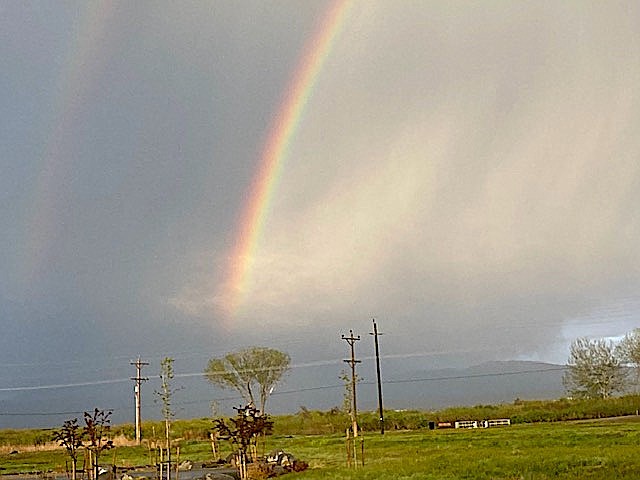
(487, 383)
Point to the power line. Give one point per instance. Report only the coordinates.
(478, 375)
(201, 374)
(310, 364)
(63, 385)
(42, 414)
(321, 387)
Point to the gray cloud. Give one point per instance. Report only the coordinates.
(486, 186)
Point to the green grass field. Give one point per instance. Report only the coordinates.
(571, 450)
(595, 449)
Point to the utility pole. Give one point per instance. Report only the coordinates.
(351, 340)
(136, 390)
(375, 337)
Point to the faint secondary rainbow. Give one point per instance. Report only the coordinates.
(88, 46)
(274, 153)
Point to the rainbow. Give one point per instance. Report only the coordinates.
(88, 45)
(274, 153)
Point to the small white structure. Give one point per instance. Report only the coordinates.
(466, 424)
(498, 422)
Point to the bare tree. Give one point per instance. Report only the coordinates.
(166, 394)
(70, 437)
(97, 426)
(244, 431)
(593, 369)
(628, 351)
(255, 370)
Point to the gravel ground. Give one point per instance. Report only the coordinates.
(193, 474)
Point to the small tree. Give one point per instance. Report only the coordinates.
(70, 437)
(165, 394)
(255, 369)
(593, 369)
(347, 396)
(97, 426)
(628, 351)
(244, 432)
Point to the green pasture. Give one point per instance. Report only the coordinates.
(594, 449)
(569, 450)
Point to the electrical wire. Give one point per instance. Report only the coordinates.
(317, 388)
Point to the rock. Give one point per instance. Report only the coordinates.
(218, 476)
(279, 470)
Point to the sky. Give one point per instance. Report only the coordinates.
(187, 179)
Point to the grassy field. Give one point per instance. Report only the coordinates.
(595, 449)
(571, 450)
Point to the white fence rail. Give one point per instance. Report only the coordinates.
(496, 422)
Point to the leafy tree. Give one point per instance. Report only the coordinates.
(70, 437)
(628, 351)
(347, 396)
(593, 369)
(97, 426)
(254, 369)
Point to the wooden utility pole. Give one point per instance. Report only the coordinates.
(375, 337)
(351, 340)
(137, 394)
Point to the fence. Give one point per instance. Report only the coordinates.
(496, 422)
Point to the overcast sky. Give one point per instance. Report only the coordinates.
(466, 173)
